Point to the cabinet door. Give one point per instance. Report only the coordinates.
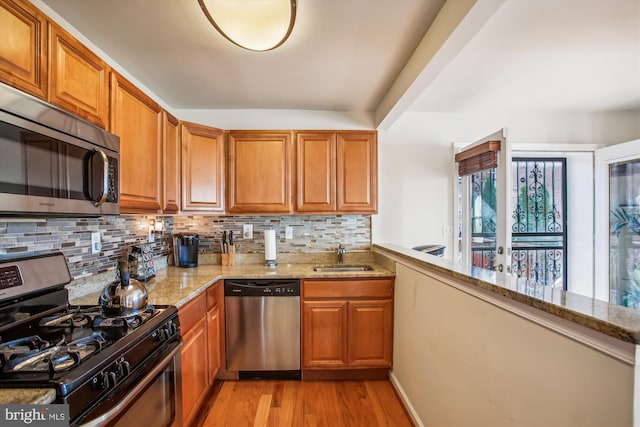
(316, 172)
(202, 168)
(259, 172)
(370, 333)
(170, 164)
(78, 79)
(23, 50)
(324, 334)
(194, 370)
(357, 174)
(137, 120)
(213, 342)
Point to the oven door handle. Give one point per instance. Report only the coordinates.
(133, 394)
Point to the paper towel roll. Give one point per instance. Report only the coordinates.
(269, 245)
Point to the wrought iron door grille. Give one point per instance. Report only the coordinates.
(539, 232)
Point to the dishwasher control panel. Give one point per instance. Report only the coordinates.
(262, 287)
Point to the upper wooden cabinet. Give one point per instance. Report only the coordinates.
(336, 172)
(259, 179)
(78, 79)
(170, 164)
(23, 47)
(137, 120)
(202, 168)
(315, 172)
(357, 172)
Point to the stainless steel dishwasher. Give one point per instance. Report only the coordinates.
(262, 318)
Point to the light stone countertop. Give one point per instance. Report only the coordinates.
(27, 396)
(177, 286)
(610, 319)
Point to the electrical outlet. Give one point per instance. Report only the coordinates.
(96, 246)
(288, 232)
(247, 231)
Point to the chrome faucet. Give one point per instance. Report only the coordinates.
(340, 253)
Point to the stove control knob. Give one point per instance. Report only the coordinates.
(109, 380)
(124, 368)
(173, 329)
(164, 334)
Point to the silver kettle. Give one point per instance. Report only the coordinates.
(125, 298)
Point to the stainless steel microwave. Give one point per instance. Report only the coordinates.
(54, 163)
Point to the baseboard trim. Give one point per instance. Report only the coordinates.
(408, 407)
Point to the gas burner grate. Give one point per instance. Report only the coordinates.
(15, 348)
(57, 358)
(67, 320)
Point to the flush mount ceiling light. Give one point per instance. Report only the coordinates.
(258, 25)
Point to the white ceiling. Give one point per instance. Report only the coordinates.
(346, 55)
(546, 55)
(342, 54)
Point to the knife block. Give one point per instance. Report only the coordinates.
(230, 258)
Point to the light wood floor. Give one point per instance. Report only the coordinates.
(306, 403)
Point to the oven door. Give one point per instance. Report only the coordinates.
(152, 399)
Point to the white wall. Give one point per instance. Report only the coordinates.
(482, 365)
(415, 161)
(277, 119)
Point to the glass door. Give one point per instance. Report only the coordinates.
(617, 234)
(485, 229)
(539, 229)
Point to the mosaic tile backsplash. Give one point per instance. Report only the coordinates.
(72, 236)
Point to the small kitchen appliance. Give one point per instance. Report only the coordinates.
(110, 369)
(185, 250)
(54, 162)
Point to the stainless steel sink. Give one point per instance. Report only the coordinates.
(341, 267)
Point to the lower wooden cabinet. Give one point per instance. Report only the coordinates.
(215, 330)
(369, 333)
(347, 325)
(195, 382)
(324, 334)
(202, 326)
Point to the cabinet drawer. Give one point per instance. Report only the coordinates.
(192, 312)
(350, 288)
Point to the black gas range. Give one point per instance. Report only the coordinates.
(107, 369)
